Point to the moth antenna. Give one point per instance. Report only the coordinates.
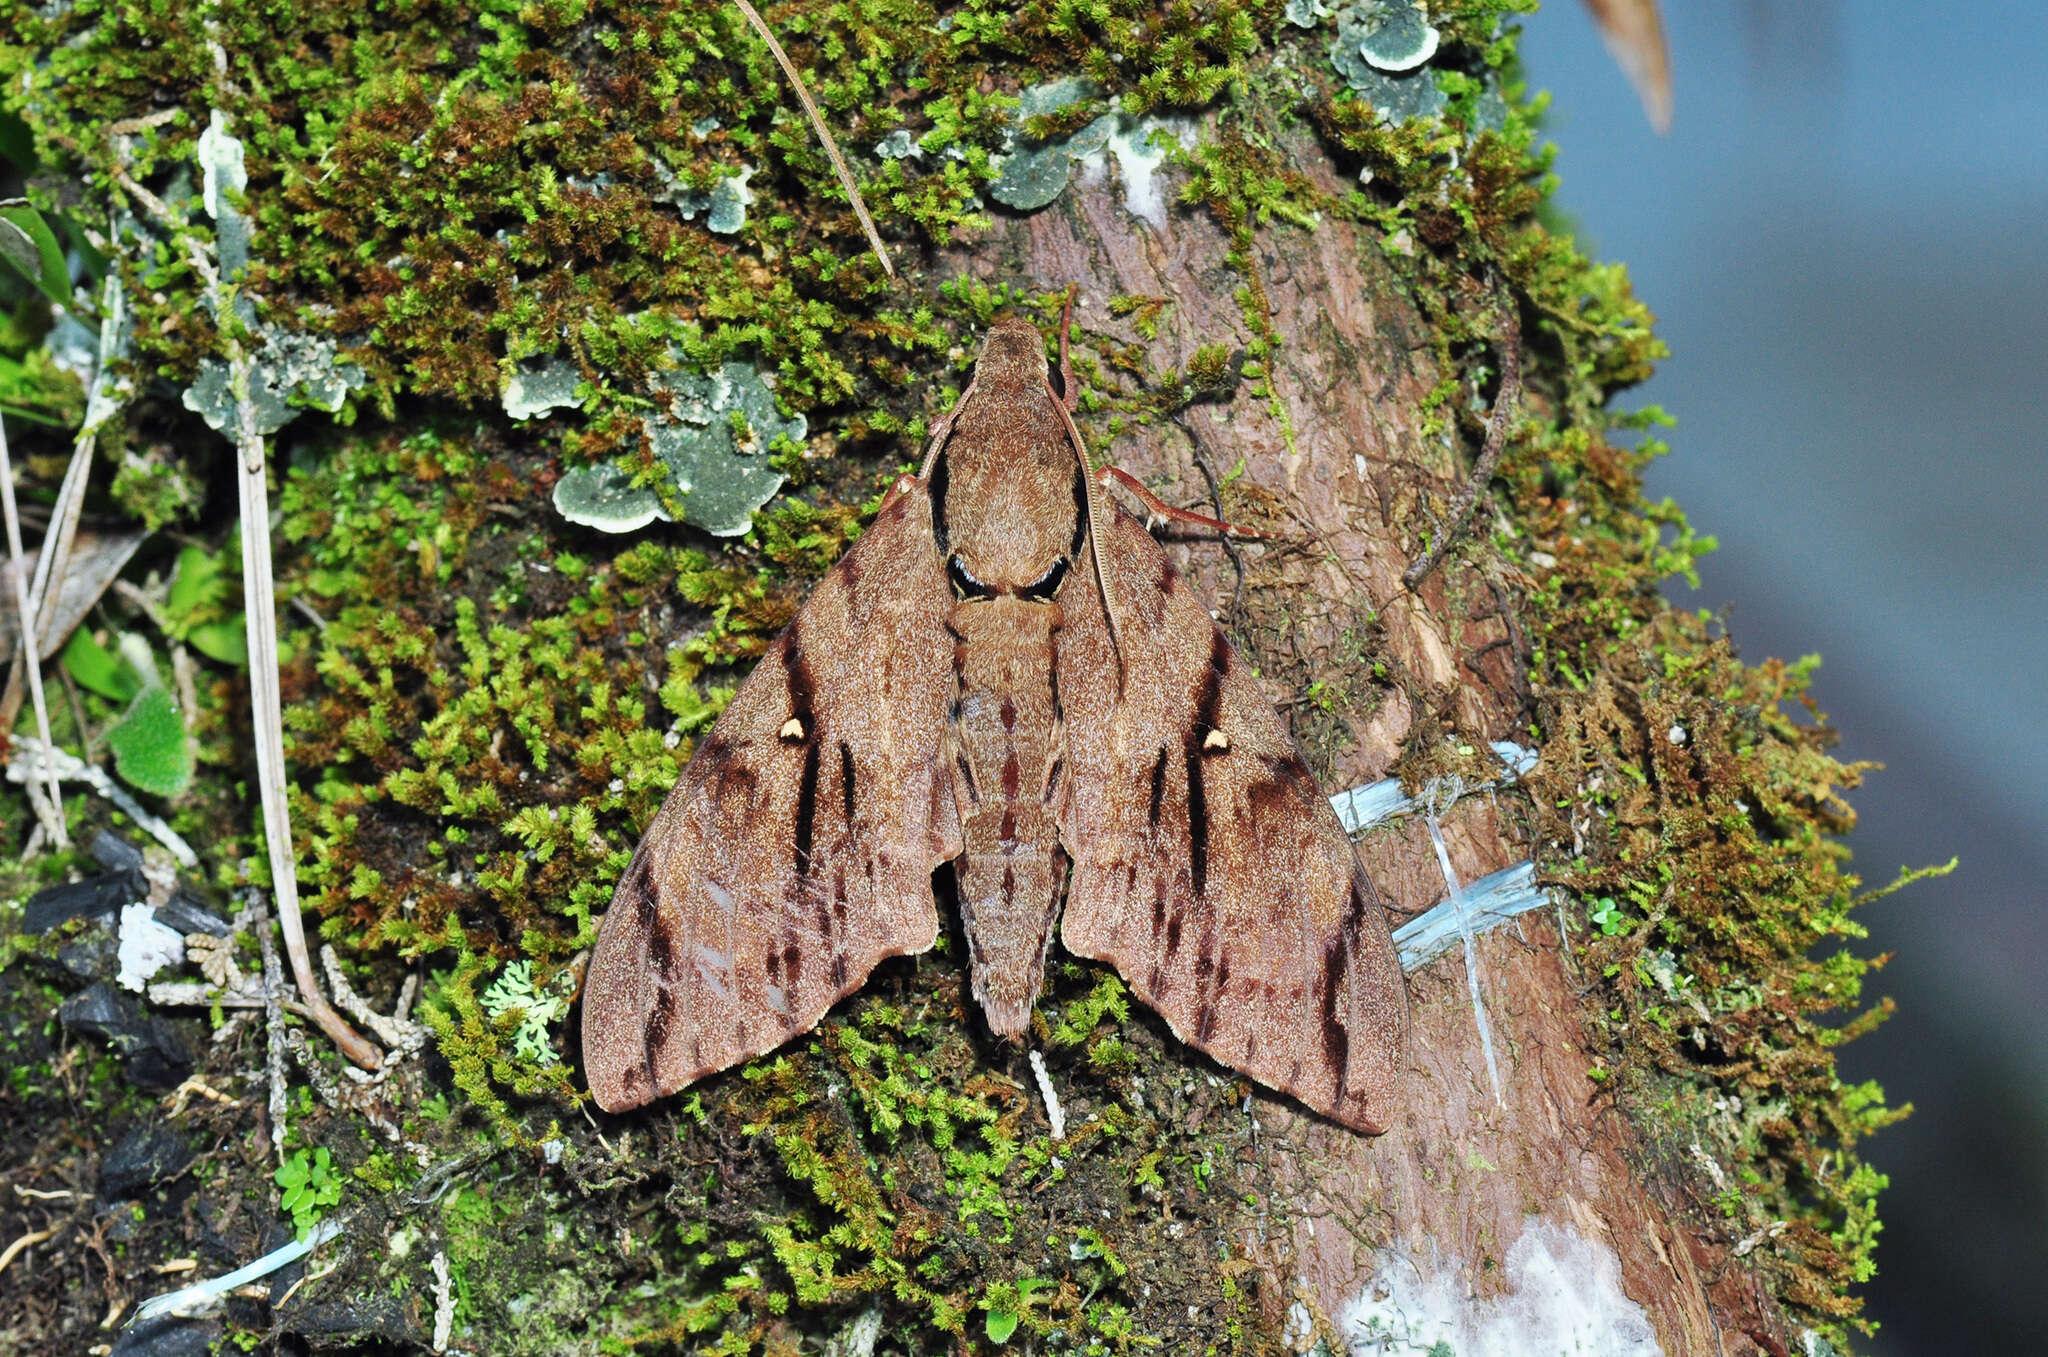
(1116, 645)
(839, 166)
(1155, 505)
(1065, 402)
(941, 431)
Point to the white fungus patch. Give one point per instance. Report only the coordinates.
(146, 946)
(1561, 1295)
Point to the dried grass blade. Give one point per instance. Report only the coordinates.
(839, 166)
(52, 813)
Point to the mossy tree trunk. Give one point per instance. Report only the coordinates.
(1295, 317)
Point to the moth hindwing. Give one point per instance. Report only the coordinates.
(1006, 674)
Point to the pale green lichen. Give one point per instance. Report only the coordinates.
(535, 388)
(712, 441)
(538, 1009)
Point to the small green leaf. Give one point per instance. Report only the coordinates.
(151, 752)
(28, 243)
(1001, 1324)
(196, 607)
(95, 667)
(226, 641)
(196, 584)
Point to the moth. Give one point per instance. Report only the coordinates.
(1004, 673)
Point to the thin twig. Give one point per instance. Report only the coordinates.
(54, 563)
(51, 564)
(51, 815)
(73, 700)
(839, 166)
(273, 1015)
(1505, 402)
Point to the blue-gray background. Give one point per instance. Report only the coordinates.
(1845, 240)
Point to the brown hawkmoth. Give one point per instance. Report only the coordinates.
(1001, 675)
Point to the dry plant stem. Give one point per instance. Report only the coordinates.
(1504, 404)
(259, 602)
(56, 558)
(27, 1241)
(273, 1020)
(839, 166)
(50, 814)
(51, 565)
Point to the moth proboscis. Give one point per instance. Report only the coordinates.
(1007, 674)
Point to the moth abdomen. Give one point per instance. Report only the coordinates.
(1007, 740)
(1008, 904)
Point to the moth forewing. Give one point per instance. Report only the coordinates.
(796, 851)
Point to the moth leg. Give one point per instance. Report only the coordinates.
(1161, 509)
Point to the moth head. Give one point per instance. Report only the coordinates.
(1013, 356)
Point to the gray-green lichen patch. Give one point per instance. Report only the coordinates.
(729, 203)
(534, 389)
(1395, 98)
(713, 441)
(898, 145)
(1382, 49)
(220, 160)
(726, 201)
(1393, 36)
(605, 498)
(1035, 173)
(292, 370)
